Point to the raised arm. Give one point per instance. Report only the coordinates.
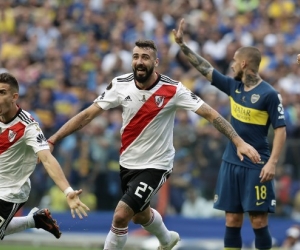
(201, 64)
(221, 124)
(76, 123)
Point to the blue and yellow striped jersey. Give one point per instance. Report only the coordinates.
(252, 113)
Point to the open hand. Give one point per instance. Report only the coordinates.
(178, 35)
(76, 205)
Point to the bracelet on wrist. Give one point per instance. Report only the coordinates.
(51, 142)
(68, 190)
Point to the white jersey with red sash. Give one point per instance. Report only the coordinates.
(148, 119)
(20, 140)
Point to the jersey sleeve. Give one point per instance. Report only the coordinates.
(109, 98)
(275, 110)
(222, 82)
(35, 138)
(186, 99)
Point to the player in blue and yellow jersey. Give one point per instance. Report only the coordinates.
(244, 186)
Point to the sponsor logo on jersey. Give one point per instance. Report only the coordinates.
(11, 135)
(238, 91)
(41, 138)
(127, 98)
(255, 98)
(259, 203)
(101, 97)
(248, 115)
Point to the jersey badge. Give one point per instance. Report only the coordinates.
(280, 110)
(143, 99)
(255, 98)
(238, 91)
(159, 100)
(11, 135)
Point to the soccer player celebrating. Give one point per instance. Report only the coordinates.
(21, 143)
(149, 102)
(244, 186)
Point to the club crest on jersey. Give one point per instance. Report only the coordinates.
(255, 98)
(11, 135)
(159, 100)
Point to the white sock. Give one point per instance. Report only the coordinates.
(18, 224)
(116, 238)
(157, 227)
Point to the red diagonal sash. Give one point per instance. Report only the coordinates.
(145, 115)
(5, 144)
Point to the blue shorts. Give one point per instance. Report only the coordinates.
(239, 190)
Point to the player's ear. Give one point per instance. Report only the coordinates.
(15, 97)
(156, 62)
(243, 64)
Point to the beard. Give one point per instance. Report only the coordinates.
(238, 76)
(142, 79)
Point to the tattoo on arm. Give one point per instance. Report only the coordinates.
(219, 122)
(224, 127)
(201, 64)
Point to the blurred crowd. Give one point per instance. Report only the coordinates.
(65, 52)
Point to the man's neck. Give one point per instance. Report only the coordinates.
(148, 83)
(251, 81)
(9, 115)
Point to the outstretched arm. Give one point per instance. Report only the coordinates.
(57, 175)
(76, 123)
(221, 124)
(201, 64)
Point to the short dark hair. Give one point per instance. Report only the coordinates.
(147, 44)
(10, 80)
(253, 56)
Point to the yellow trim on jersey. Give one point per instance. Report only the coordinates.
(248, 115)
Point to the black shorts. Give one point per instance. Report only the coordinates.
(7, 212)
(140, 185)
